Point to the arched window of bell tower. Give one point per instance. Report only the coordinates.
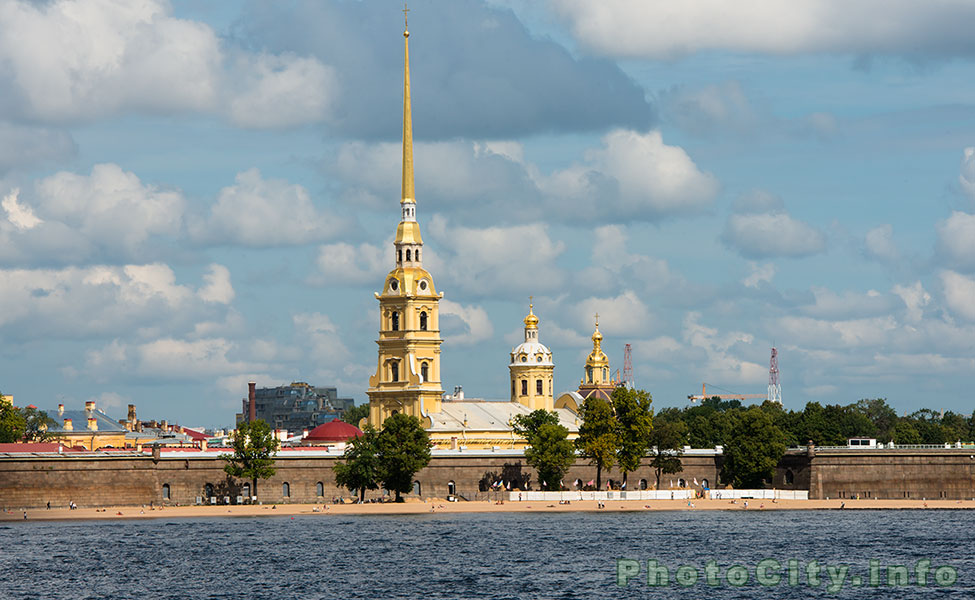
(407, 255)
(588, 372)
(399, 256)
(423, 321)
(395, 321)
(394, 371)
(425, 372)
(416, 254)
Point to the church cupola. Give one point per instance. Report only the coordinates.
(532, 369)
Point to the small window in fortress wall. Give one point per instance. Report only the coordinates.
(789, 477)
(319, 489)
(286, 490)
(165, 491)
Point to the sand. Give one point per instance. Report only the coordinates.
(441, 506)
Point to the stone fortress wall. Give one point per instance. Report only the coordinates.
(128, 479)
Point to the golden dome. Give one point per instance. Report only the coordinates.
(531, 320)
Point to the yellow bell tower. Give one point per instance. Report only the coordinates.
(407, 378)
(596, 377)
(531, 368)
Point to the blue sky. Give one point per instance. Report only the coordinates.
(199, 194)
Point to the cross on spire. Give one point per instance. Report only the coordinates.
(406, 21)
(597, 319)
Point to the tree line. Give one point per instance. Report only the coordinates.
(26, 424)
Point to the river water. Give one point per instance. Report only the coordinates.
(716, 554)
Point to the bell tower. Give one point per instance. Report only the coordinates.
(407, 378)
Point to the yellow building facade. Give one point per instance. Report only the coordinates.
(407, 378)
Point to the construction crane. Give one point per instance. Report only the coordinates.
(730, 395)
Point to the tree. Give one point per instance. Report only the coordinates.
(353, 415)
(905, 433)
(403, 448)
(36, 423)
(667, 447)
(754, 449)
(528, 425)
(254, 447)
(12, 424)
(598, 436)
(634, 419)
(360, 471)
(550, 454)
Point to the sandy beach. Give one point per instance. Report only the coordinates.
(441, 506)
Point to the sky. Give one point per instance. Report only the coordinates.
(195, 195)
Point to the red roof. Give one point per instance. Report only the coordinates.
(31, 447)
(195, 435)
(334, 431)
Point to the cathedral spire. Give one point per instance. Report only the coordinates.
(408, 193)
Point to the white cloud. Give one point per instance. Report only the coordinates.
(668, 30)
(959, 294)
(21, 217)
(967, 176)
(342, 264)
(956, 238)
(476, 324)
(830, 304)
(218, 288)
(497, 261)
(760, 228)
(261, 213)
(915, 298)
(759, 274)
(282, 91)
(623, 314)
(80, 60)
(109, 214)
(721, 351)
(880, 245)
(322, 336)
(103, 301)
(646, 178)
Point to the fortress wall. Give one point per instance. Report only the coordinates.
(91, 480)
(894, 474)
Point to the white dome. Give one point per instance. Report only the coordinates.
(531, 353)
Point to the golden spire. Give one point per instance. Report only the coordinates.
(531, 321)
(408, 193)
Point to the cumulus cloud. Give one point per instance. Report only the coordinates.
(76, 61)
(967, 176)
(103, 301)
(258, 212)
(282, 91)
(834, 305)
(497, 261)
(759, 274)
(959, 294)
(760, 228)
(321, 335)
(70, 218)
(879, 244)
(466, 92)
(721, 351)
(956, 239)
(474, 325)
(346, 264)
(915, 299)
(623, 314)
(651, 30)
(635, 175)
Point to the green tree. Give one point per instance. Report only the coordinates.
(550, 454)
(905, 433)
(753, 450)
(254, 447)
(880, 414)
(634, 419)
(403, 449)
(12, 424)
(353, 415)
(667, 447)
(36, 424)
(528, 425)
(598, 436)
(360, 471)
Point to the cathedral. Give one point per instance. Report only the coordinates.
(408, 378)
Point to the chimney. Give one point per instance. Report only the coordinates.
(60, 409)
(131, 418)
(90, 405)
(164, 425)
(251, 405)
(304, 433)
(67, 425)
(203, 445)
(92, 424)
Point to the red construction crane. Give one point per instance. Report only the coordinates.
(730, 396)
